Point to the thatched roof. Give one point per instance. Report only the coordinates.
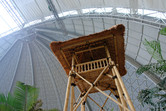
(113, 38)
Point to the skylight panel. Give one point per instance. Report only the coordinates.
(158, 15)
(10, 19)
(123, 10)
(108, 9)
(152, 13)
(88, 10)
(146, 12)
(49, 17)
(33, 22)
(103, 10)
(5, 20)
(73, 12)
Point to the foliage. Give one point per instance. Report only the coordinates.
(53, 109)
(37, 106)
(153, 48)
(163, 31)
(112, 109)
(154, 97)
(24, 98)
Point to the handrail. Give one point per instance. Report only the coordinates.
(92, 65)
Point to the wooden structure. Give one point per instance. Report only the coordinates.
(94, 63)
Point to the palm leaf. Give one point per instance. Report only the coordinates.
(153, 48)
(25, 95)
(163, 31)
(156, 68)
(8, 103)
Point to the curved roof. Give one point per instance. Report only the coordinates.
(25, 55)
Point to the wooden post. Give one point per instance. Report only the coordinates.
(116, 81)
(110, 98)
(119, 83)
(123, 88)
(83, 105)
(70, 78)
(72, 95)
(119, 91)
(67, 94)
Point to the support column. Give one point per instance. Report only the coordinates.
(70, 80)
(123, 88)
(67, 94)
(72, 94)
(119, 83)
(83, 105)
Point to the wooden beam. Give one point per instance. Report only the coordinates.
(72, 96)
(116, 50)
(123, 88)
(90, 49)
(92, 85)
(111, 98)
(105, 102)
(92, 40)
(65, 58)
(67, 94)
(94, 102)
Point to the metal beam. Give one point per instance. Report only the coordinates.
(57, 31)
(55, 13)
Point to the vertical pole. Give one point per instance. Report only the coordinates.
(72, 85)
(123, 88)
(120, 92)
(67, 93)
(70, 79)
(83, 105)
(72, 95)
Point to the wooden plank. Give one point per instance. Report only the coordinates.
(90, 49)
(65, 57)
(116, 49)
(84, 42)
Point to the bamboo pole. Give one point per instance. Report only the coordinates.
(105, 102)
(116, 81)
(94, 102)
(72, 96)
(83, 105)
(116, 73)
(68, 86)
(77, 100)
(92, 85)
(123, 88)
(110, 98)
(67, 94)
(119, 90)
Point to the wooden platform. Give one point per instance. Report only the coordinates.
(91, 57)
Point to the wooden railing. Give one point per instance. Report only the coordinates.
(90, 66)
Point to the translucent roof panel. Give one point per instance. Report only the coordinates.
(10, 20)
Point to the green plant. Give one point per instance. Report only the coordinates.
(153, 48)
(154, 97)
(53, 109)
(23, 99)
